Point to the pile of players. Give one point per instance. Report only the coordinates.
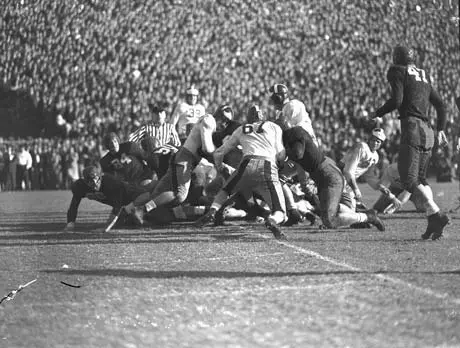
(153, 176)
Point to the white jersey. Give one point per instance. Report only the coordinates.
(295, 114)
(200, 134)
(262, 138)
(185, 116)
(360, 159)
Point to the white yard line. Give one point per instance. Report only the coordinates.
(426, 291)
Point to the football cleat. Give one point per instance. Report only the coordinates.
(373, 219)
(274, 228)
(206, 218)
(436, 224)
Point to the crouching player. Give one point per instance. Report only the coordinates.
(262, 147)
(301, 147)
(106, 189)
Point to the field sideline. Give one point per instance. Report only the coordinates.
(230, 286)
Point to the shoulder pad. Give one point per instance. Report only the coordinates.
(395, 72)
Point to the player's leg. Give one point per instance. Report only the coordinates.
(269, 188)
(241, 178)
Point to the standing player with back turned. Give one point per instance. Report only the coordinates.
(412, 94)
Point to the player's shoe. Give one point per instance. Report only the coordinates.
(311, 217)
(206, 218)
(219, 218)
(138, 215)
(294, 217)
(373, 219)
(436, 224)
(274, 228)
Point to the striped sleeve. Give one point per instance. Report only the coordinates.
(137, 135)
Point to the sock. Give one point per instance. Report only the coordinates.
(150, 205)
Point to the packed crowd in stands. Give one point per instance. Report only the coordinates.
(95, 65)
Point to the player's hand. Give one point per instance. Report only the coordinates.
(358, 195)
(69, 227)
(442, 139)
(396, 203)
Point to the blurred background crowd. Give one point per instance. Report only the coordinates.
(72, 71)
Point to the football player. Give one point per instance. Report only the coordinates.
(187, 113)
(173, 188)
(330, 182)
(292, 113)
(104, 188)
(411, 94)
(262, 147)
(125, 161)
(360, 161)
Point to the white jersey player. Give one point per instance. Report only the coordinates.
(187, 113)
(262, 148)
(174, 186)
(360, 161)
(291, 112)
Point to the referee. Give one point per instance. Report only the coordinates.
(159, 139)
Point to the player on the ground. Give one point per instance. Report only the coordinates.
(328, 178)
(173, 188)
(411, 94)
(104, 188)
(125, 161)
(359, 161)
(262, 147)
(187, 113)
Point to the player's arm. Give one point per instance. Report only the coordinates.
(226, 147)
(440, 108)
(208, 126)
(175, 116)
(280, 149)
(114, 190)
(395, 77)
(350, 168)
(78, 192)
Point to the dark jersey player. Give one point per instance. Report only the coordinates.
(125, 161)
(301, 148)
(412, 94)
(106, 189)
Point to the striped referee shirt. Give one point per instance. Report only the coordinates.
(164, 134)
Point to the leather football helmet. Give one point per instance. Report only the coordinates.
(403, 55)
(279, 93)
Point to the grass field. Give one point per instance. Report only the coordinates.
(231, 286)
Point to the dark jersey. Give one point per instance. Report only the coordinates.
(127, 164)
(301, 148)
(114, 192)
(411, 94)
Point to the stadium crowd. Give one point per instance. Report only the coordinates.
(94, 66)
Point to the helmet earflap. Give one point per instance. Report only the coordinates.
(255, 114)
(279, 93)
